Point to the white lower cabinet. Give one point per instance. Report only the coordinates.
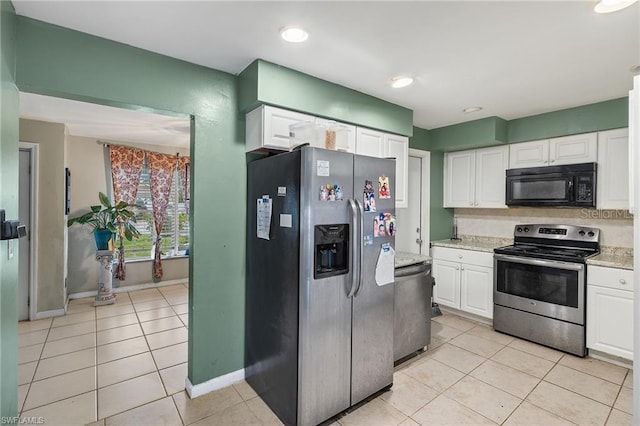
(610, 311)
(464, 280)
(476, 290)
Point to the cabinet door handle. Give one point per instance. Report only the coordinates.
(623, 281)
(462, 268)
(459, 256)
(553, 161)
(470, 203)
(457, 268)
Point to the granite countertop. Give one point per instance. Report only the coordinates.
(404, 258)
(473, 242)
(613, 257)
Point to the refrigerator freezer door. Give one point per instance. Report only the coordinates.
(372, 323)
(324, 352)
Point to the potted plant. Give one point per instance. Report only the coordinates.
(108, 220)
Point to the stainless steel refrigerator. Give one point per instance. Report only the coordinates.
(319, 299)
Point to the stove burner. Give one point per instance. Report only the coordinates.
(554, 242)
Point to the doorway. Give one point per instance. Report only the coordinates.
(413, 231)
(26, 214)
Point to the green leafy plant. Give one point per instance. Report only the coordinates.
(116, 218)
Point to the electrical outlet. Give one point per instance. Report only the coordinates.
(10, 249)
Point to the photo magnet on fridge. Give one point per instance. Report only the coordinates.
(384, 225)
(384, 189)
(331, 192)
(368, 197)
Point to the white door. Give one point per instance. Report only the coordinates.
(409, 219)
(24, 216)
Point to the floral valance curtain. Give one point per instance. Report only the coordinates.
(162, 169)
(184, 165)
(126, 164)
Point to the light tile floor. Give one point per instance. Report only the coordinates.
(125, 364)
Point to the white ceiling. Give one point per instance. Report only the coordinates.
(514, 58)
(107, 123)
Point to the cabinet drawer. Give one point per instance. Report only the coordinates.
(470, 257)
(621, 279)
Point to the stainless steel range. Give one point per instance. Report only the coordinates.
(540, 285)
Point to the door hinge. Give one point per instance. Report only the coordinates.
(28, 300)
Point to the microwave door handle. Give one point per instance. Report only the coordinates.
(570, 188)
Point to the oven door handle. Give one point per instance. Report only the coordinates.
(540, 262)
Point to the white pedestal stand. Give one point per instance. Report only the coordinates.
(105, 296)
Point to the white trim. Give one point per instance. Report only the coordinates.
(134, 287)
(33, 220)
(425, 157)
(49, 314)
(216, 383)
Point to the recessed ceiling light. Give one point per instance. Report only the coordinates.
(608, 6)
(472, 109)
(294, 34)
(398, 82)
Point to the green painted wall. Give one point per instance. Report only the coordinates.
(494, 130)
(440, 219)
(606, 115)
(290, 89)
(9, 202)
(421, 139)
(57, 61)
(471, 134)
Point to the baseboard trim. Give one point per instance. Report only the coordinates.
(49, 314)
(216, 383)
(133, 287)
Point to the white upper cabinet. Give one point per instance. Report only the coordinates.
(459, 178)
(529, 154)
(378, 144)
(369, 142)
(476, 178)
(268, 127)
(398, 147)
(572, 149)
(491, 166)
(613, 169)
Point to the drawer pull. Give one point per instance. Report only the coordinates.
(623, 281)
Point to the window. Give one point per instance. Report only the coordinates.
(175, 231)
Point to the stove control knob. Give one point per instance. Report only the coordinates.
(526, 229)
(590, 233)
(519, 229)
(581, 233)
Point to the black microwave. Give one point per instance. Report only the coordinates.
(571, 185)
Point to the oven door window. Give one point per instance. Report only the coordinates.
(541, 283)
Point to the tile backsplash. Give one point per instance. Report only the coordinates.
(616, 226)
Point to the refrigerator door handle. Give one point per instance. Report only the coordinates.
(360, 243)
(355, 261)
